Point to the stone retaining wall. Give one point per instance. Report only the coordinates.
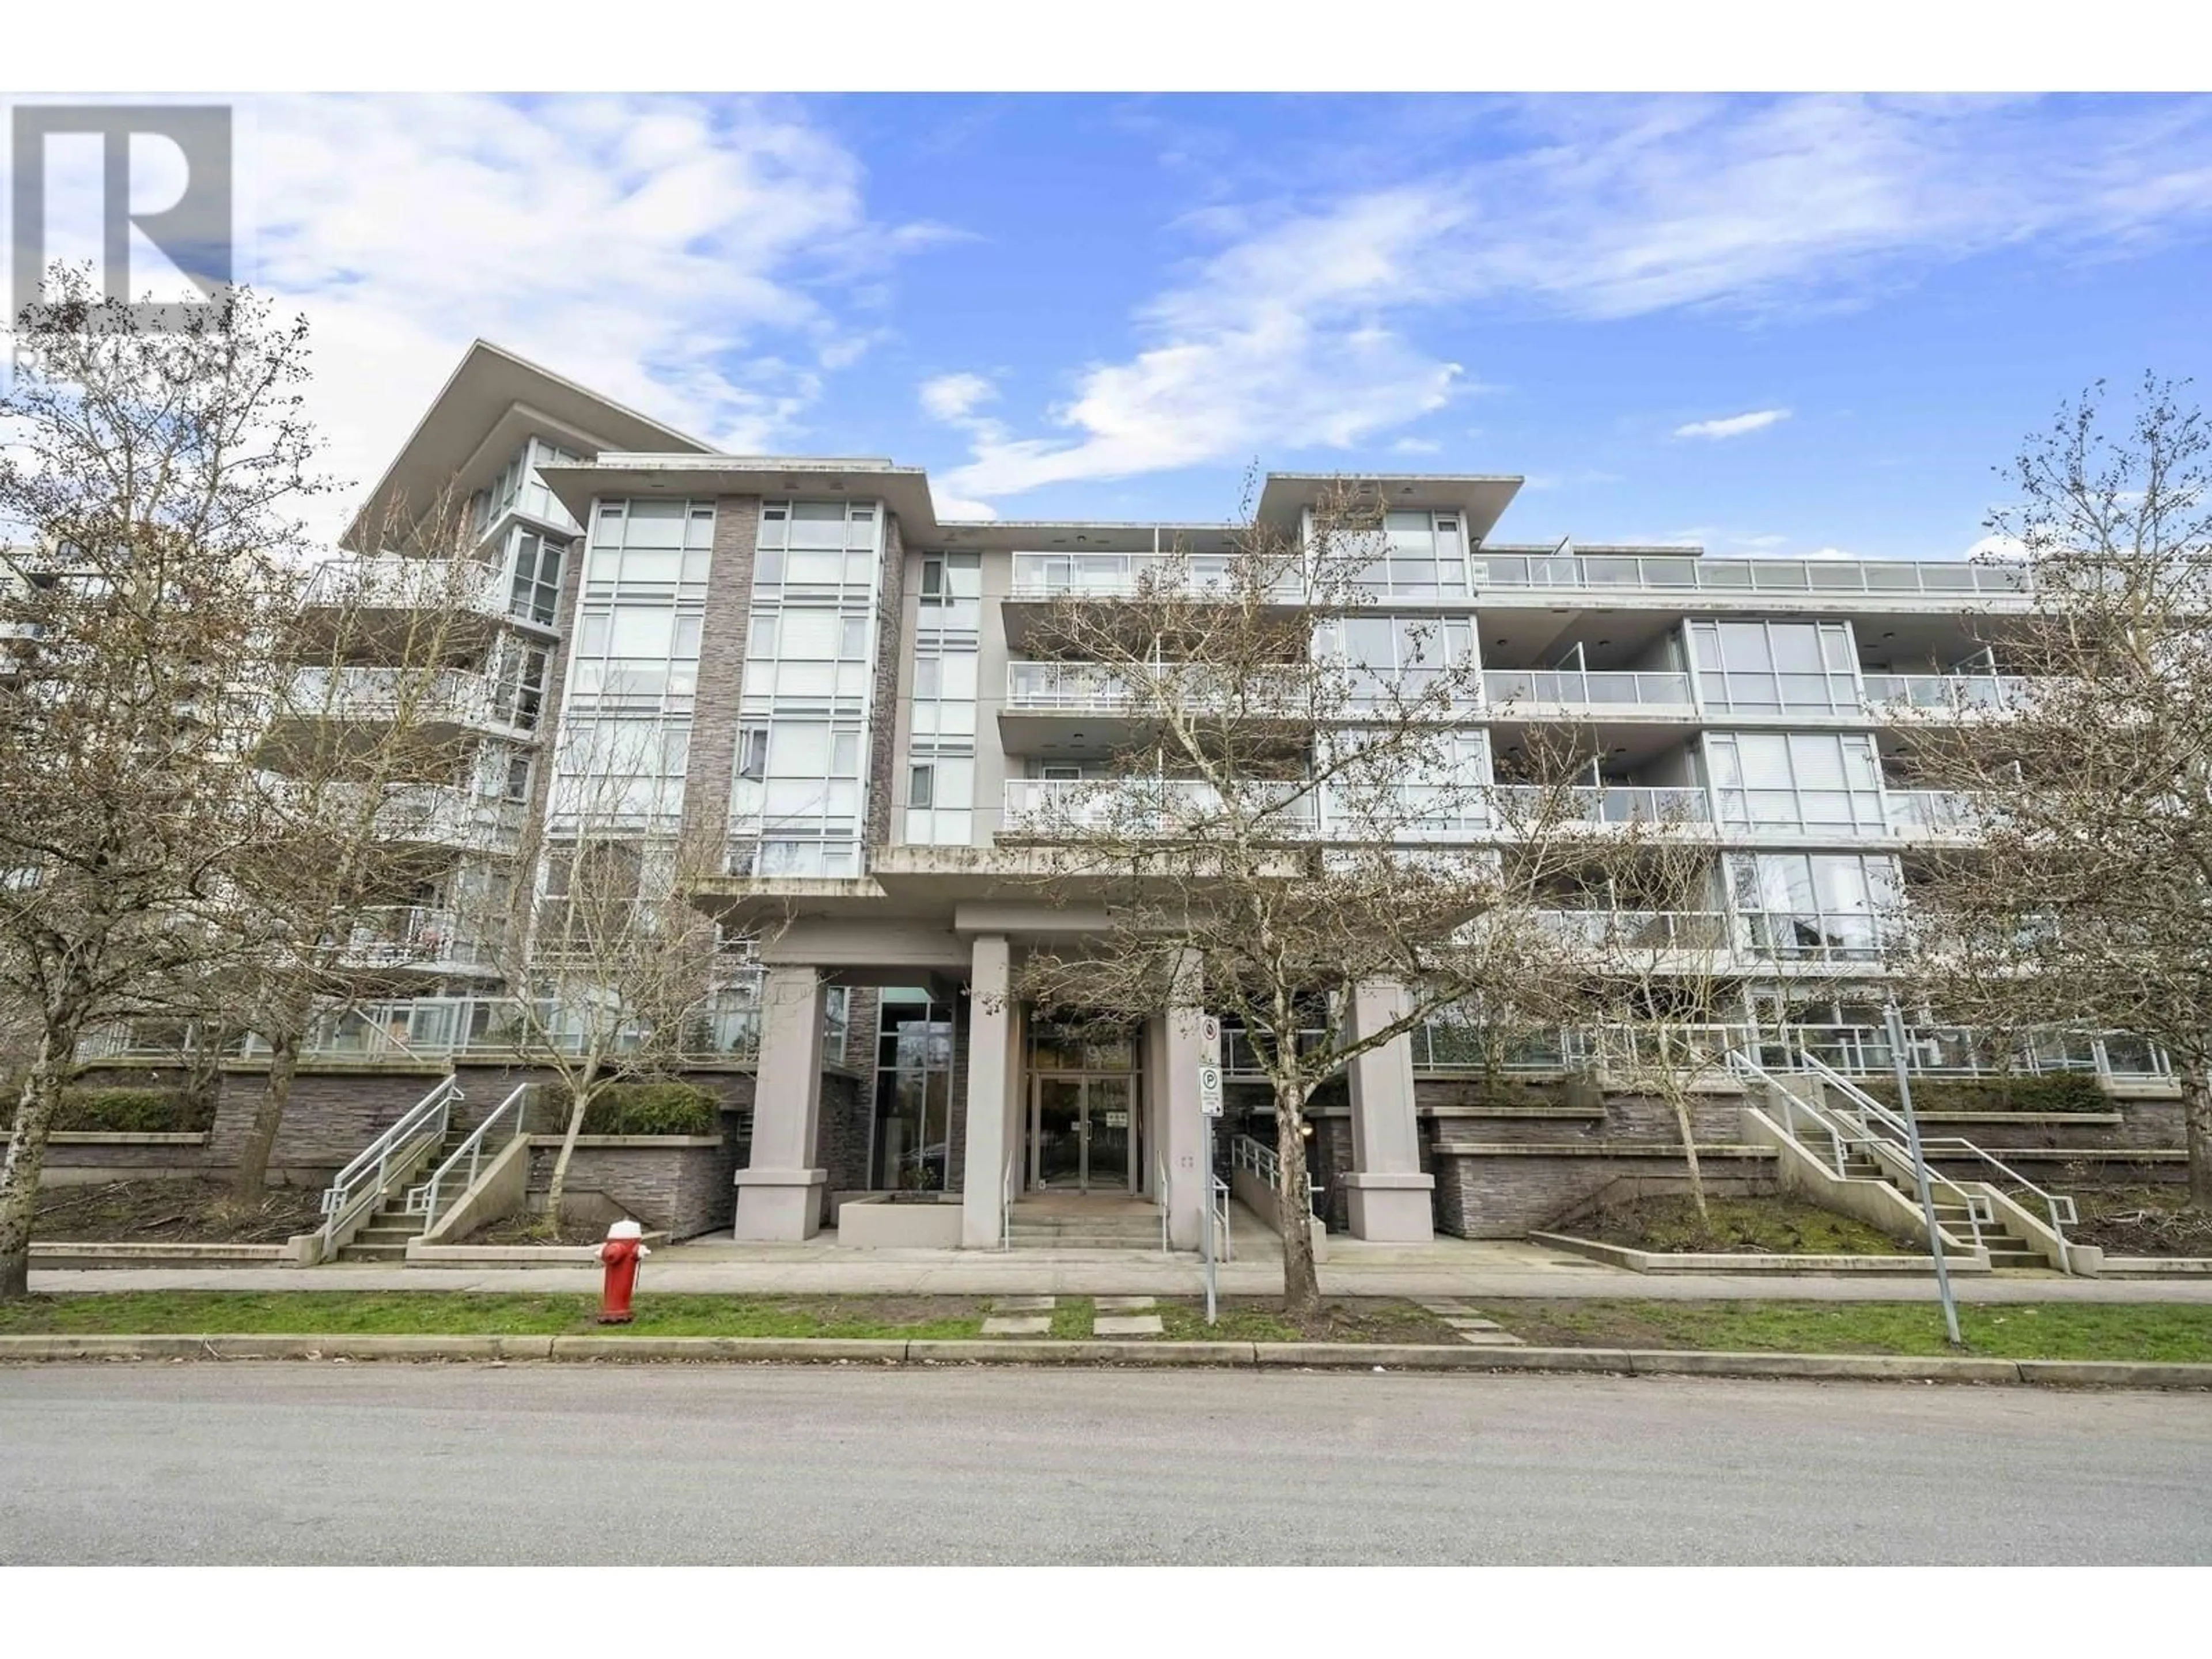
(679, 1184)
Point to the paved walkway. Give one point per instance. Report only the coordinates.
(1448, 1268)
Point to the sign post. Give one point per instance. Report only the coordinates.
(1209, 1106)
(1893, 1027)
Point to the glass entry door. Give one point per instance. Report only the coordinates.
(1083, 1133)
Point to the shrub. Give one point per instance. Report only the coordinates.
(659, 1107)
(126, 1111)
(2026, 1091)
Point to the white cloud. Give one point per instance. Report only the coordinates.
(1829, 553)
(954, 397)
(707, 261)
(1416, 447)
(1998, 547)
(1733, 426)
(1760, 543)
(1304, 328)
(957, 507)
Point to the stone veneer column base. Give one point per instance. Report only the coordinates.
(780, 1205)
(1393, 1209)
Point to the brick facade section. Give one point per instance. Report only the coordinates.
(724, 630)
(883, 704)
(847, 1106)
(684, 1190)
(1508, 1197)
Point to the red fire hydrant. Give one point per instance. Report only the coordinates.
(623, 1251)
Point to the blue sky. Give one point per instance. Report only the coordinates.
(1793, 325)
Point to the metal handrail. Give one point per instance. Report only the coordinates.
(1218, 1215)
(2059, 1207)
(427, 1118)
(1006, 1205)
(1250, 1153)
(422, 1201)
(1160, 1193)
(1845, 1136)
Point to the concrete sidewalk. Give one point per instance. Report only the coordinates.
(1449, 1267)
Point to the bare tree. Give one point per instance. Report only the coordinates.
(2078, 892)
(373, 726)
(612, 970)
(1667, 964)
(146, 492)
(1301, 807)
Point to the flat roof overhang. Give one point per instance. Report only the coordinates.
(1480, 498)
(452, 445)
(903, 491)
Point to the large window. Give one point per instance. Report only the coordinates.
(1774, 667)
(940, 773)
(1814, 781)
(913, 1094)
(649, 547)
(642, 656)
(1397, 655)
(808, 689)
(797, 792)
(1821, 906)
(827, 545)
(518, 486)
(1420, 555)
(535, 572)
(614, 772)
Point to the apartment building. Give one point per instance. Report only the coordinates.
(798, 656)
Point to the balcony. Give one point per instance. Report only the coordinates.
(1640, 930)
(1067, 688)
(1042, 806)
(1924, 814)
(1612, 804)
(445, 815)
(1513, 689)
(1047, 576)
(396, 584)
(1577, 572)
(447, 698)
(413, 937)
(1946, 694)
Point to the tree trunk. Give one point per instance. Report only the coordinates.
(2196, 1121)
(1680, 1100)
(26, 1156)
(251, 1180)
(580, 1103)
(1294, 1208)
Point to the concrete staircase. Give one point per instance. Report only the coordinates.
(1865, 1137)
(1052, 1224)
(384, 1236)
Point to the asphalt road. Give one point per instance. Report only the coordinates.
(378, 1464)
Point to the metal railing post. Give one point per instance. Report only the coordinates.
(1893, 1024)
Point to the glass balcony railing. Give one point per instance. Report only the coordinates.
(1930, 813)
(1111, 576)
(1612, 804)
(1946, 693)
(1134, 807)
(396, 584)
(412, 936)
(1548, 687)
(1064, 687)
(1665, 573)
(449, 696)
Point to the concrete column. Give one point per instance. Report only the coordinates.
(1389, 1192)
(1185, 1129)
(780, 1191)
(991, 1074)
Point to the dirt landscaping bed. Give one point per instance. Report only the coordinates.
(2141, 1221)
(536, 1230)
(171, 1212)
(1734, 1226)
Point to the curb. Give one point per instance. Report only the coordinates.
(1263, 1355)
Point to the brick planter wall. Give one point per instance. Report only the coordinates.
(679, 1183)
